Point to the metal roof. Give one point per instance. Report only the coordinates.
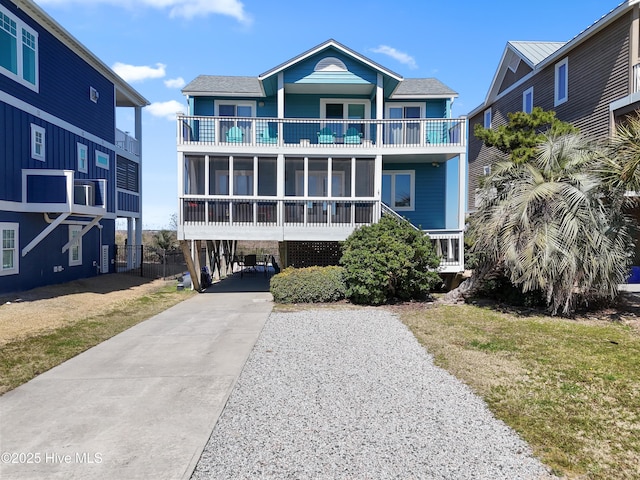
(225, 86)
(417, 87)
(536, 52)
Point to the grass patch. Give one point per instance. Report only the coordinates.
(569, 388)
(23, 359)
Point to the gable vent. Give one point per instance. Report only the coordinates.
(330, 64)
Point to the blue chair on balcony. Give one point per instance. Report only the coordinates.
(352, 136)
(326, 136)
(234, 135)
(266, 137)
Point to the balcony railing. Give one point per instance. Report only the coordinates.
(127, 143)
(292, 212)
(449, 245)
(321, 133)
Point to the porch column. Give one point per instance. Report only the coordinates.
(180, 191)
(138, 242)
(378, 187)
(462, 204)
(280, 95)
(379, 108)
(130, 244)
(138, 130)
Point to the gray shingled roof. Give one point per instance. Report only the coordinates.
(536, 52)
(224, 85)
(422, 86)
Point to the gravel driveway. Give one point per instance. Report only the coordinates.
(349, 393)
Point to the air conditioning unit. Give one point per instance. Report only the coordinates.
(84, 195)
(93, 95)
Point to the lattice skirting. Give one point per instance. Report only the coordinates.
(308, 254)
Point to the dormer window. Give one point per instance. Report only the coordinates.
(330, 64)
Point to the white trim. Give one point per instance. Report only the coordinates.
(528, 91)
(15, 227)
(74, 231)
(53, 120)
(390, 105)
(38, 133)
(81, 149)
(236, 103)
(488, 113)
(19, 75)
(412, 187)
(557, 100)
(346, 102)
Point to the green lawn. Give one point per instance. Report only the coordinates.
(23, 359)
(570, 388)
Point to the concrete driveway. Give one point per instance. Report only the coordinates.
(142, 404)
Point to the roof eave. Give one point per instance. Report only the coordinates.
(591, 30)
(83, 52)
(198, 93)
(423, 96)
(323, 46)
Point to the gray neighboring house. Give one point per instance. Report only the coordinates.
(592, 81)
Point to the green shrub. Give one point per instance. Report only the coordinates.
(389, 260)
(308, 285)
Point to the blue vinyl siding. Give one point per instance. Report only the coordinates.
(36, 269)
(303, 72)
(64, 92)
(128, 202)
(205, 106)
(60, 154)
(430, 194)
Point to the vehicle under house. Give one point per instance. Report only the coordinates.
(66, 172)
(316, 147)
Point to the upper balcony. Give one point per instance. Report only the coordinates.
(442, 135)
(127, 143)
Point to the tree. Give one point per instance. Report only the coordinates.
(523, 133)
(388, 260)
(621, 166)
(547, 225)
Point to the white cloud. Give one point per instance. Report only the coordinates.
(166, 110)
(139, 73)
(175, 82)
(177, 8)
(401, 57)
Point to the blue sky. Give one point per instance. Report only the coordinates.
(158, 45)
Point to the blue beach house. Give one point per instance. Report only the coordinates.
(66, 172)
(315, 147)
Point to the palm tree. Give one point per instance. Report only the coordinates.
(547, 226)
(621, 167)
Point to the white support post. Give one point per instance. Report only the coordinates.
(52, 226)
(131, 243)
(379, 108)
(77, 239)
(280, 107)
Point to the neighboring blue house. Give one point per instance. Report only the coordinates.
(66, 172)
(315, 147)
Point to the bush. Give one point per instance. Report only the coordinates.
(389, 260)
(308, 285)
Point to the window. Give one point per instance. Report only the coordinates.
(527, 100)
(561, 82)
(407, 133)
(229, 108)
(398, 189)
(82, 157)
(102, 160)
(487, 118)
(339, 109)
(9, 248)
(486, 170)
(18, 50)
(37, 143)
(75, 251)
